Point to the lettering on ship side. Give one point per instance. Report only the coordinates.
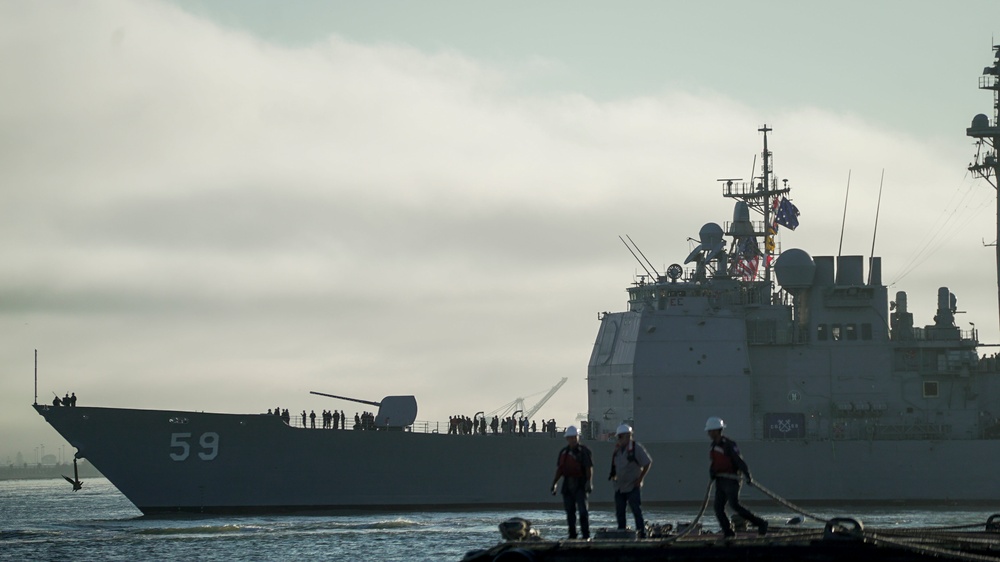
(209, 443)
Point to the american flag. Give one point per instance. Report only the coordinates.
(747, 256)
(746, 268)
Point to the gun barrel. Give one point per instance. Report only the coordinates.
(346, 398)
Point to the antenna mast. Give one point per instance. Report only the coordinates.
(987, 132)
(875, 231)
(643, 255)
(760, 197)
(637, 257)
(843, 221)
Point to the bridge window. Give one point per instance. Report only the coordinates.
(866, 331)
(835, 332)
(851, 332)
(821, 332)
(930, 389)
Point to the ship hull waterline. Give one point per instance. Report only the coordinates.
(175, 461)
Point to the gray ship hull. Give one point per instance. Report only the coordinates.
(168, 461)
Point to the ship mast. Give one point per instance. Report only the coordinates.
(987, 132)
(760, 197)
(766, 183)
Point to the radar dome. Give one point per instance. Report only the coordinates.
(710, 234)
(980, 121)
(795, 269)
(741, 220)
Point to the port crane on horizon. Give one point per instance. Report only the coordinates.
(516, 406)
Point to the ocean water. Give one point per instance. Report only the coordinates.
(45, 520)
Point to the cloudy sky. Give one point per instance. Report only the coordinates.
(222, 206)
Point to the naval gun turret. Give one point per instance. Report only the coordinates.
(394, 412)
(944, 327)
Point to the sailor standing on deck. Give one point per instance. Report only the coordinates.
(727, 463)
(629, 465)
(576, 467)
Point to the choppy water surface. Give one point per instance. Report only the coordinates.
(44, 520)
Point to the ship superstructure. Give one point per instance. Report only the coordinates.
(821, 354)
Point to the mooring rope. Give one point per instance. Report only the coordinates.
(704, 505)
(908, 539)
(928, 550)
(786, 503)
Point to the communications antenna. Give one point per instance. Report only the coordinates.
(987, 135)
(759, 195)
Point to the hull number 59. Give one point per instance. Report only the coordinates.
(181, 446)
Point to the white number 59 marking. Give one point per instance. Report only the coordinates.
(209, 442)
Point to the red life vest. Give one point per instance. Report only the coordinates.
(722, 462)
(570, 463)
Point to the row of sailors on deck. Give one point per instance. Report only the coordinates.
(464, 425)
(67, 401)
(989, 364)
(329, 419)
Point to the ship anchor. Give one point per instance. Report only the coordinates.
(75, 480)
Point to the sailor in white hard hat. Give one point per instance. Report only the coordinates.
(726, 466)
(629, 465)
(576, 468)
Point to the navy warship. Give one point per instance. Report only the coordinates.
(832, 389)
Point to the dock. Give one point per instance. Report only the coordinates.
(839, 539)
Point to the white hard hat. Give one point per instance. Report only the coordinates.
(714, 423)
(571, 431)
(624, 428)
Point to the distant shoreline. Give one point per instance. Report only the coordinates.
(46, 472)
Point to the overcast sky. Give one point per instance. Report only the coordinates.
(223, 205)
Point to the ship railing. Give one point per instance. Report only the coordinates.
(750, 293)
(419, 426)
(442, 427)
(758, 227)
(750, 190)
(848, 431)
(921, 334)
(911, 431)
(658, 295)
